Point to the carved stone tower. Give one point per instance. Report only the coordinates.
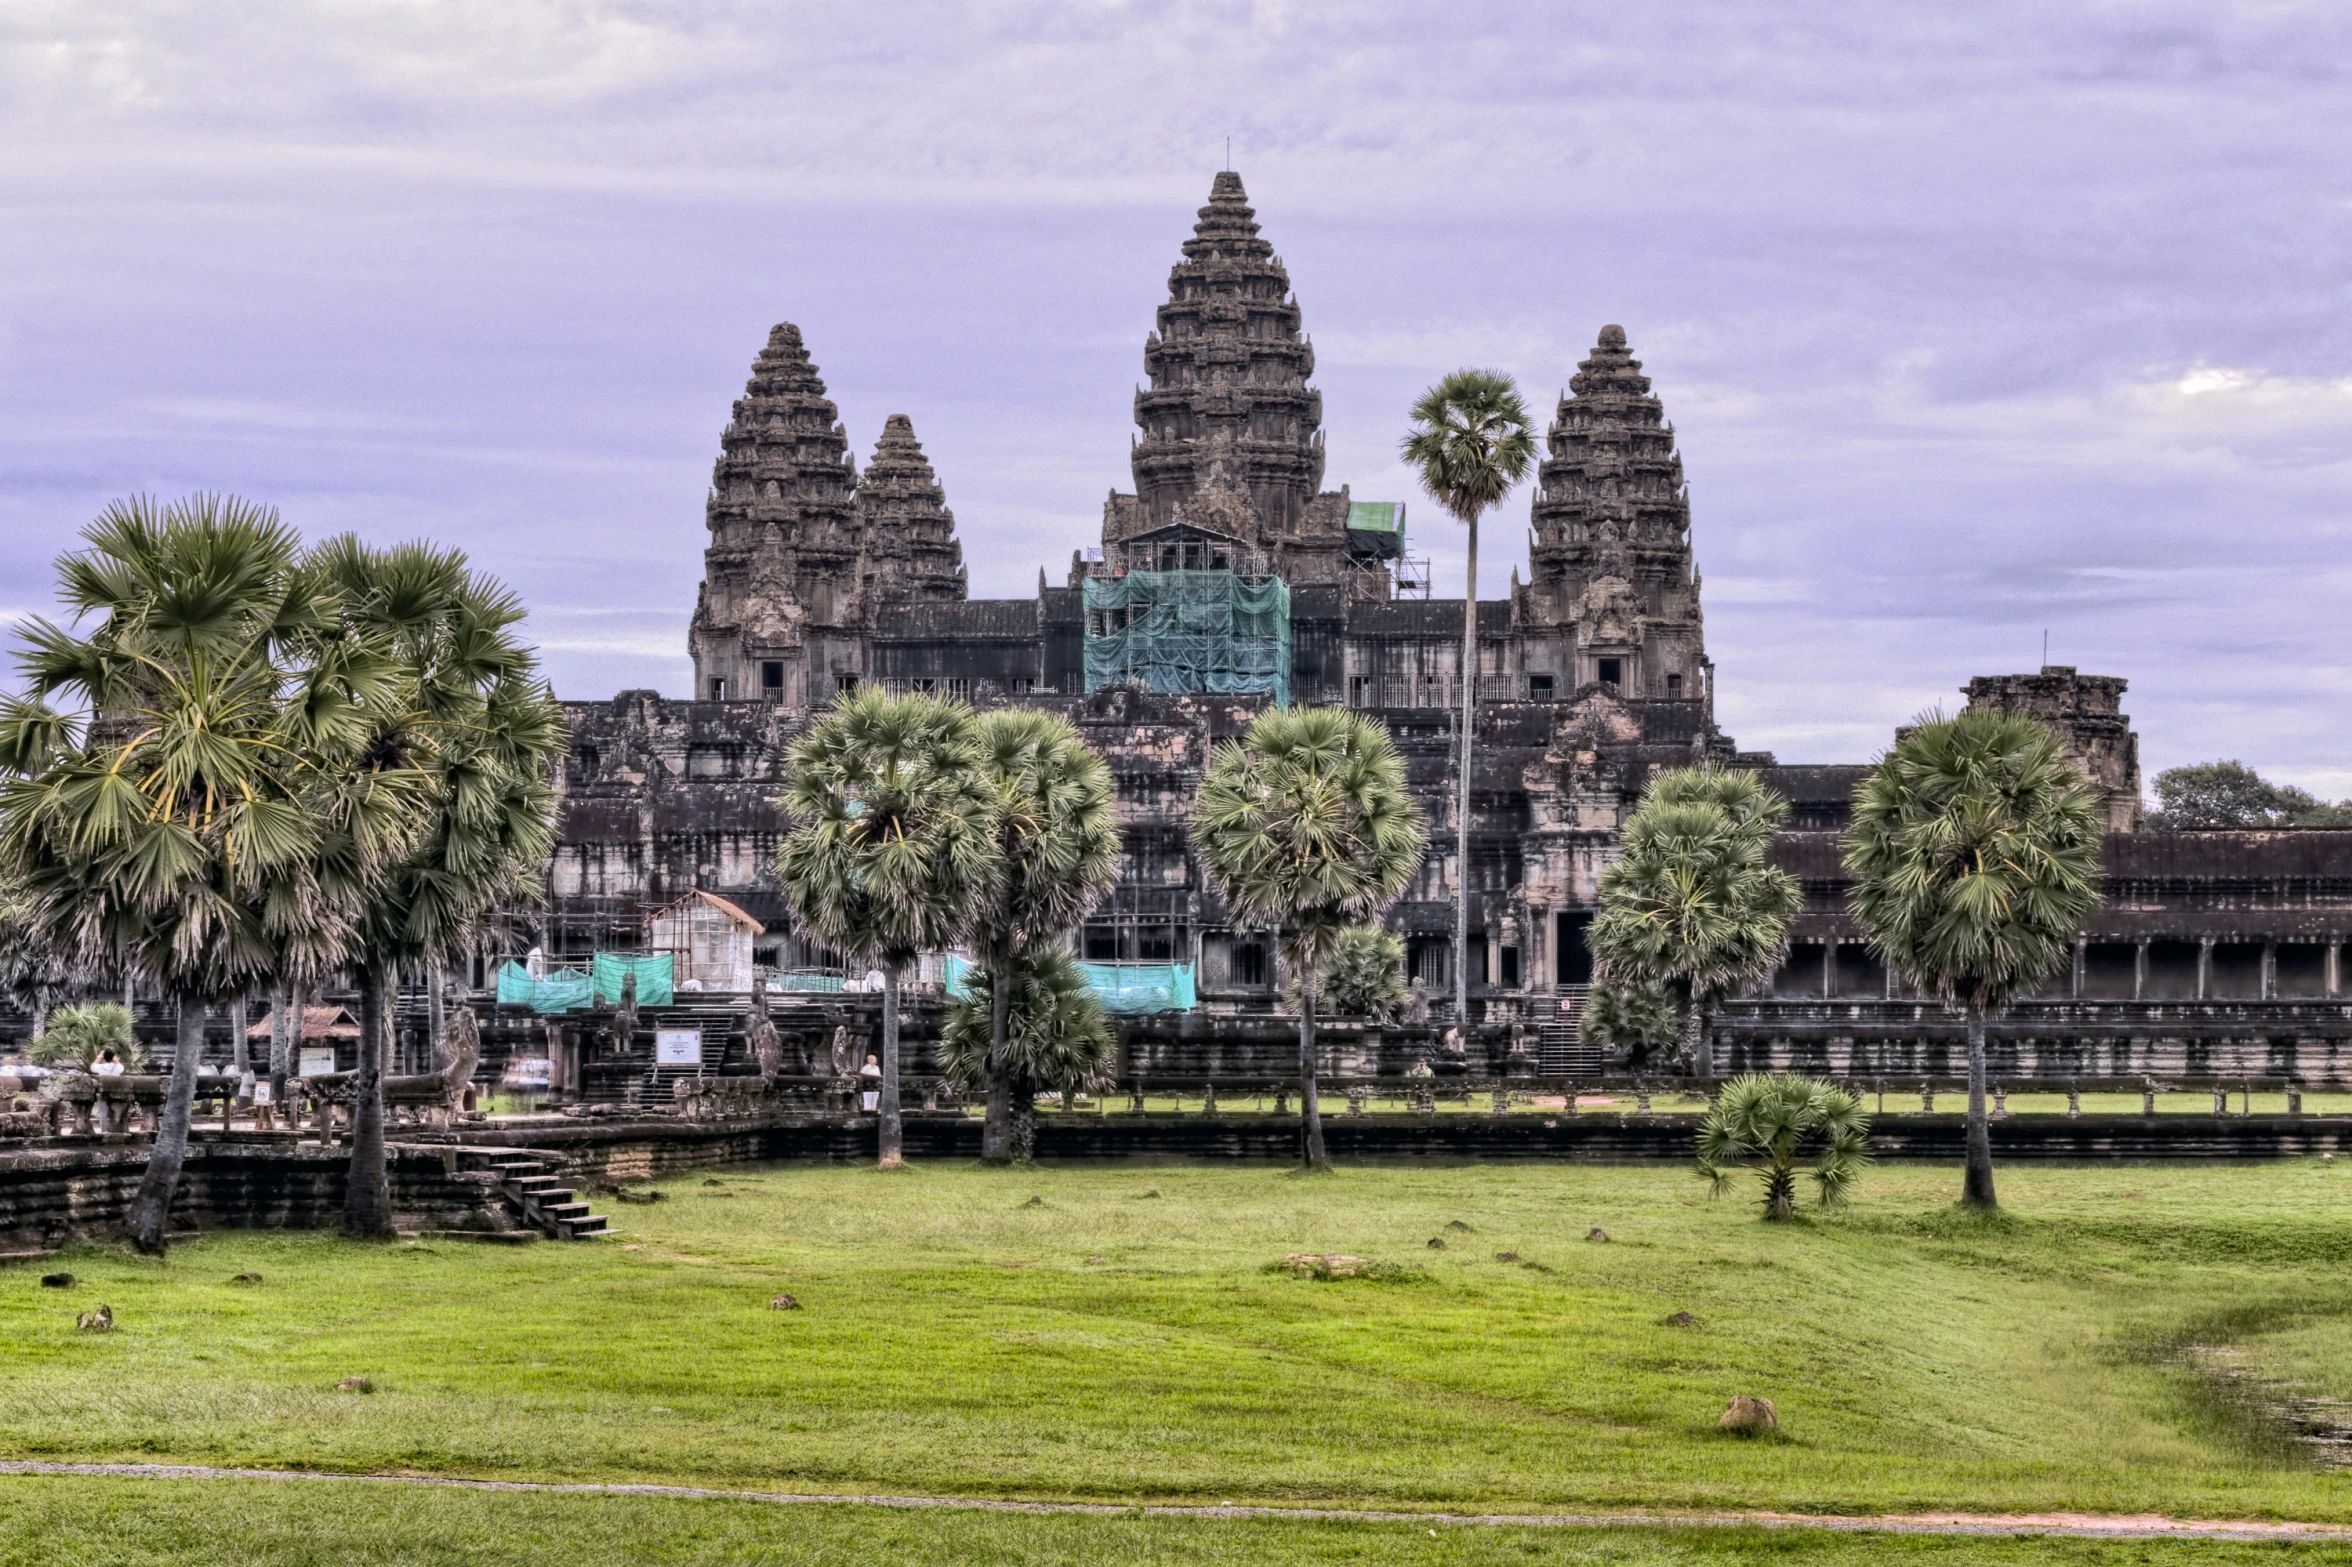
(783, 584)
(2087, 711)
(1611, 555)
(911, 549)
(1229, 460)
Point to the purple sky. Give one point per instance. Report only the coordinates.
(1973, 321)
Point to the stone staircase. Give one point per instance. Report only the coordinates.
(1561, 1050)
(538, 1196)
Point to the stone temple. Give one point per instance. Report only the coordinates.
(1229, 576)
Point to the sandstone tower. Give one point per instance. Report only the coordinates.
(911, 547)
(1611, 547)
(1228, 463)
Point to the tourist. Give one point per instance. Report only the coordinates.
(870, 1076)
(106, 1065)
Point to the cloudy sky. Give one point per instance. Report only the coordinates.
(1975, 322)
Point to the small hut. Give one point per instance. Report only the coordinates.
(710, 938)
(324, 1028)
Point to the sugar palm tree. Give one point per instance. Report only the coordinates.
(1057, 844)
(1772, 1125)
(1364, 974)
(1641, 1021)
(1471, 442)
(1305, 825)
(1695, 903)
(474, 742)
(1044, 1030)
(1975, 855)
(76, 1037)
(166, 821)
(893, 844)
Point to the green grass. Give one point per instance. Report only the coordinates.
(1114, 1345)
(45, 1522)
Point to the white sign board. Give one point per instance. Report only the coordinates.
(317, 1061)
(677, 1047)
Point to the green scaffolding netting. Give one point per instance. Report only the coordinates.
(1188, 631)
(569, 989)
(1120, 987)
(655, 978)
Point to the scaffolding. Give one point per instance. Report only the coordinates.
(1188, 632)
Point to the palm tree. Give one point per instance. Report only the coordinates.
(1695, 904)
(1306, 825)
(166, 822)
(473, 743)
(1771, 1125)
(893, 844)
(1364, 974)
(1640, 1020)
(1975, 855)
(76, 1036)
(1057, 843)
(1044, 1030)
(1471, 442)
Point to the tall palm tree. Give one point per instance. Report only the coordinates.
(1306, 825)
(1695, 904)
(1043, 1030)
(1975, 854)
(1057, 843)
(893, 844)
(1471, 442)
(165, 822)
(474, 740)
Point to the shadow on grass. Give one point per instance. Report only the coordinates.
(2270, 1420)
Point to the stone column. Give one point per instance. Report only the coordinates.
(2204, 967)
(2270, 971)
(2139, 970)
(2335, 968)
(1829, 968)
(2081, 953)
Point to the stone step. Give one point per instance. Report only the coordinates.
(582, 1227)
(563, 1210)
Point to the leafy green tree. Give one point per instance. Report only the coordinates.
(1695, 905)
(1364, 974)
(1776, 1124)
(77, 1037)
(471, 744)
(1057, 844)
(166, 822)
(1642, 1022)
(1975, 855)
(1305, 824)
(32, 976)
(893, 844)
(1049, 1034)
(1471, 442)
(2232, 795)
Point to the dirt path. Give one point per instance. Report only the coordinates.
(2139, 1526)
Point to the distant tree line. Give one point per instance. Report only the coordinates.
(2223, 795)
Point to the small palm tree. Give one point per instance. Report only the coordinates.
(77, 1037)
(1773, 1125)
(1975, 854)
(1057, 844)
(1640, 1021)
(471, 745)
(1306, 825)
(1046, 1030)
(174, 833)
(1364, 974)
(893, 844)
(1471, 442)
(1695, 904)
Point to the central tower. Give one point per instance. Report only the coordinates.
(1228, 458)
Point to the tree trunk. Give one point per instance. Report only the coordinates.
(1310, 1108)
(1976, 1188)
(437, 1017)
(996, 1130)
(150, 1219)
(1462, 793)
(887, 1119)
(367, 1189)
(1021, 1098)
(240, 1054)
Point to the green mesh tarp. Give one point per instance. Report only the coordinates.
(1188, 632)
(825, 984)
(1120, 987)
(563, 990)
(654, 976)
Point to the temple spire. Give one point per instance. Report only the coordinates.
(911, 547)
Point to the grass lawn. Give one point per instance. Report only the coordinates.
(1124, 1340)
